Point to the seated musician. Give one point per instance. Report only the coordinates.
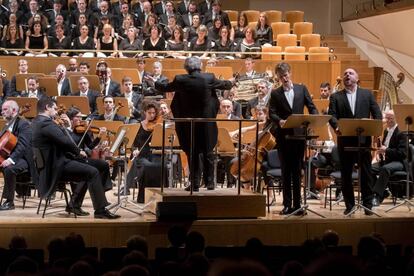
(148, 89)
(165, 113)
(23, 68)
(5, 83)
(63, 85)
(134, 100)
(83, 85)
(110, 111)
(263, 94)
(142, 156)
(391, 157)
(20, 159)
(57, 157)
(325, 90)
(226, 108)
(33, 90)
(112, 88)
(229, 95)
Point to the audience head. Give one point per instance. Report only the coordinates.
(237, 268)
(17, 242)
(134, 270)
(330, 238)
(22, 265)
(135, 258)
(194, 242)
(81, 268)
(138, 242)
(177, 235)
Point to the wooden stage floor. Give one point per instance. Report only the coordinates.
(396, 227)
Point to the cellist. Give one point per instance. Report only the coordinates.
(20, 159)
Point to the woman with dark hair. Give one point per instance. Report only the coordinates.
(154, 42)
(191, 32)
(169, 29)
(83, 42)
(60, 41)
(176, 43)
(151, 21)
(59, 20)
(127, 23)
(224, 44)
(82, 21)
(214, 30)
(11, 40)
(131, 43)
(200, 43)
(264, 32)
(107, 42)
(240, 28)
(99, 29)
(248, 44)
(36, 40)
(38, 18)
(13, 21)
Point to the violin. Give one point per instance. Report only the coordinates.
(85, 126)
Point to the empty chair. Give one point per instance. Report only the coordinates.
(273, 16)
(284, 40)
(252, 15)
(295, 53)
(310, 40)
(320, 54)
(232, 15)
(294, 16)
(300, 28)
(280, 28)
(252, 25)
(272, 49)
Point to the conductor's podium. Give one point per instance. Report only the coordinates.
(215, 204)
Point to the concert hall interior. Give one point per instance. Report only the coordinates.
(206, 137)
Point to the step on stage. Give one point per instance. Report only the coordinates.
(396, 227)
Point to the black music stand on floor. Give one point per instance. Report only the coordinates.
(357, 127)
(305, 122)
(404, 114)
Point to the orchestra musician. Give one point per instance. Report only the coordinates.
(134, 100)
(83, 85)
(20, 159)
(284, 101)
(23, 68)
(263, 95)
(62, 81)
(195, 97)
(142, 156)
(112, 88)
(325, 90)
(149, 90)
(229, 95)
(53, 149)
(353, 102)
(110, 112)
(391, 157)
(33, 90)
(5, 86)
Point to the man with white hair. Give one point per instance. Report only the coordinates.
(195, 97)
(63, 85)
(149, 90)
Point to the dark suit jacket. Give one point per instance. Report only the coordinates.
(365, 107)
(148, 90)
(279, 109)
(92, 96)
(23, 149)
(250, 104)
(185, 21)
(52, 143)
(114, 89)
(181, 9)
(6, 89)
(195, 97)
(158, 9)
(65, 88)
(203, 9)
(40, 94)
(396, 147)
(208, 19)
(136, 101)
(237, 109)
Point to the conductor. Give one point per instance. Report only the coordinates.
(195, 97)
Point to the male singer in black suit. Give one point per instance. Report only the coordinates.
(195, 97)
(356, 103)
(84, 90)
(392, 154)
(21, 157)
(53, 149)
(284, 101)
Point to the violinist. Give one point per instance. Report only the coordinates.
(62, 81)
(263, 94)
(20, 159)
(51, 146)
(134, 100)
(284, 101)
(110, 112)
(142, 156)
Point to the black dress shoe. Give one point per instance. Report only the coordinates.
(285, 211)
(195, 189)
(210, 187)
(105, 214)
(348, 210)
(376, 201)
(8, 205)
(368, 212)
(77, 211)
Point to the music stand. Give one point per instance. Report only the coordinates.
(122, 139)
(49, 84)
(404, 116)
(305, 122)
(355, 127)
(80, 102)
(22, 101)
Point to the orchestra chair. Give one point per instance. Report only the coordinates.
(93, 82)
(273, 16)
(119, 73)
(252, 15)
(81, 102)
(24, 181)
(310, 40)
(21, 80)
(60, 185)
(232, 14)
(294, 16)
(272, 49)
(299, 52)
(322, 54)
(285, 40)
(252, 25)
(271, 170)
(280, 28)
(301, 28)
(49, 85)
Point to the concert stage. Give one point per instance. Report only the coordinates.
(396, 227)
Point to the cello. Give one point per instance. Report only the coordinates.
(8, 140)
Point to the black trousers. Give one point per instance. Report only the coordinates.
(384, 172)
(10, 173)
(93, 183)
(202, 164)
(348, 160)
(291, 154)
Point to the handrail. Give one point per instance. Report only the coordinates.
(386, 51)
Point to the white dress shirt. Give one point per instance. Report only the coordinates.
(289, 94)
(352, 95)
(389, 135)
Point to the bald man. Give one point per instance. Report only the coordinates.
(354, 102)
